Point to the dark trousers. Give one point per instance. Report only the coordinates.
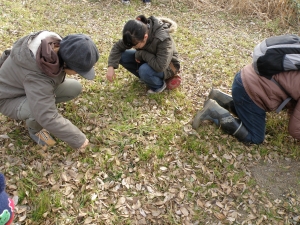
(252, 116)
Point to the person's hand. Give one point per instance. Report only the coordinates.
(110, 75)
(85, 144)
(138, 61)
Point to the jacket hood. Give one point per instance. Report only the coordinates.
(22, 55)
(162, 23)
(171, 24)
(160, 27)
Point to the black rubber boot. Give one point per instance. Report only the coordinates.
(212, 111)
(223, 100)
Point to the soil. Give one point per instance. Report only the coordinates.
(279, 179)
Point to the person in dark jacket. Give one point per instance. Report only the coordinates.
(252, 96)
(153, 59)
(33, 80)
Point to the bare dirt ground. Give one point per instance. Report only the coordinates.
(279, 179)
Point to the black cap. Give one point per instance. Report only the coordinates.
(79, 53)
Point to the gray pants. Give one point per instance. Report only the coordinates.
(18, 108)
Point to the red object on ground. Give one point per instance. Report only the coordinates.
(173, 82)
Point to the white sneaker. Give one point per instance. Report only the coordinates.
(126, 2)
(159, 90)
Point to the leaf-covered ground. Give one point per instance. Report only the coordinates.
(145, 164)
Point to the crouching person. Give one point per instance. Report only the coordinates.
(33, 80)
(148, 51)
(243, 114)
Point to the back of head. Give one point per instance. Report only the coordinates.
(142, 18)
(134, 31)
(6, 204)
(79, 53)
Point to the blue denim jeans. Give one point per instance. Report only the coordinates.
(252, 116)
(143, 71)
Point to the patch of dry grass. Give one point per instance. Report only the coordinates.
(287, 12)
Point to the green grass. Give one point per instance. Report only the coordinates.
(42, 205)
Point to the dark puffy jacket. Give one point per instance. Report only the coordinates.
(159, 51)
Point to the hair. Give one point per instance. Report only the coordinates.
(135, 30)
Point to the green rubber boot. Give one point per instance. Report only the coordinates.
(223, 99)
(212, 111)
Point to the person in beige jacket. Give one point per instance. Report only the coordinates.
(33, 80)
(252, 96)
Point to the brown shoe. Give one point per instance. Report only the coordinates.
(43, 138)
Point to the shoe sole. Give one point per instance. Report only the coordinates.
(197, 119)
(227, 102)
(211, 94)
(161, 90)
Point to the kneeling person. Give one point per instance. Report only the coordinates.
(252, 96)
